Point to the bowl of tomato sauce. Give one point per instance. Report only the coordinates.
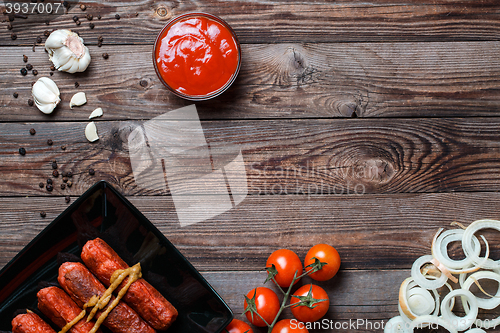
(197, 56)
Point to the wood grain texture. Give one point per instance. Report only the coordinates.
(370, 232)
(278, 81)
(282, 21)
(325, 156)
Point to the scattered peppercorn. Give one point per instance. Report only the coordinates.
(91, 172)
(49, 181)
(13, 36)
(67, 199)
(49, 188)
(35, 72)
(105, 55)
(54, 164)
(65, 179)
(100, 39)
(9, 26)
(143, 83)
(55, 173)
(99, 16)
(89, 17)
(41, 185)
(63, 147)
(83, 7)
(30, 102)
(63, 186)
(77, 84)
(24, 71)
(50, 142)
(78, 23)
(32, 131)
(69, 174)
(43, 214)
(46, 33)
(75, 18)
(69, 183)
(29, 67)
(91, 25)
(51, 73)
(15, 94)
(39, 39)
(117, 16)
(99, 43)
(47, 22)
(65, 4)
(52, 68)
(25, 58)
(22, 151)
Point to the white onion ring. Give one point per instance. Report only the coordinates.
(440, 249)
(430, 320)
(421, 280)
(405, 292)
(476, 330)
(460, 323)
(396, 325)
(484, 303)
(467, 240)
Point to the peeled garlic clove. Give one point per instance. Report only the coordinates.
(45, 94)
(78, 99)
(67, 51)
(96, 113)
(91, 132)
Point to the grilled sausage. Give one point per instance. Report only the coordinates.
(81, 285)
(102, 260)
(58, 307)
(30, 323)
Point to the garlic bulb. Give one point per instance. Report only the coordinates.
(78, 99)
(46, 94)
(67, 51)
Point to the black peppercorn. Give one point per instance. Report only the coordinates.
(77, 84)
(25, 58)
(100, 39)
(117, 16)
(39, 39)
(78, 22)
(75, 18)
(63, 186)
(35, 72)
(49, 188)
(99, 43)
(43, 214)
(55, 173)
(65, 4)
(15, 95)
(46, 33)
(69, 183)
(52, 68)
(32, 131)
(24, 71)
(30, 102)
(91, 172)
(83, 7)
(99, 16)
(63, 147)
(50, 142)
(105, 55)
(49, 181)
(22, 151)
(67, 199)
(54, 165)
(29, 67)
(89, 17)
(41, 185)
(65, 178)
(51, 73)
(69, 174)
(91, 25)
(13, 36)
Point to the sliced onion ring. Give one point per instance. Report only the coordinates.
(476, 330)
(405, 307)
(440, 249)
(424, 321)
(421, 280)
(467, 241)
(396, 325)
(460, 323)
(484, 303)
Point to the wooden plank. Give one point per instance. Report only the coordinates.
(328, 156)
(282, 21)
(279, 81)
(370, 232)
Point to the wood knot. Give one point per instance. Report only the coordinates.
(347, 109)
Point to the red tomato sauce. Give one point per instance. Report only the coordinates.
(197, 56)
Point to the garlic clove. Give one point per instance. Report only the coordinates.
(91, 132)
(96, 113)
(45, 94)
(67, 51)
(78, 99)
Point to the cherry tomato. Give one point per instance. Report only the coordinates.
(267, 304)
(325, 253)
(238, 326)
(287, 263)
(289, 326)
(303, 312)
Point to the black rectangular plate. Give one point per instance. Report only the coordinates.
(103, 212)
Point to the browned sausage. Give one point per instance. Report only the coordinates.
(81, 285)
(58, 307)
(102, 260)
(30, 323)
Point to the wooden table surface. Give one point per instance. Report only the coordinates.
(390, 109)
